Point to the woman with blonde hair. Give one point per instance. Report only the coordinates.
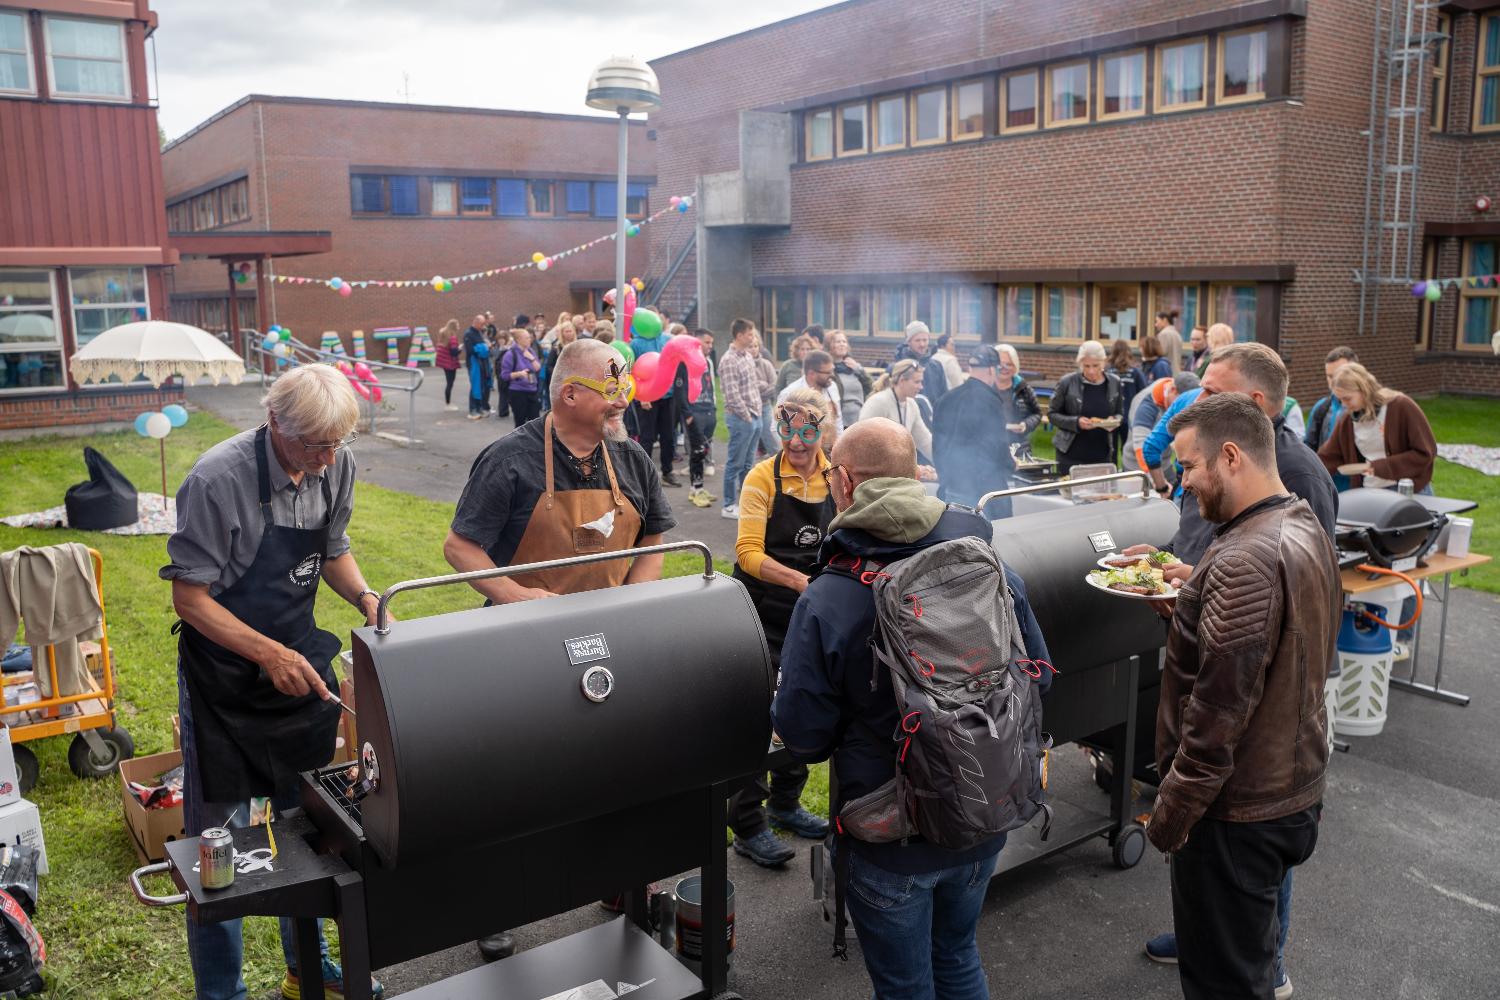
(895, 398)
(1382, 436)
(1082, 406)
(1169, 341)
(446, 351)
(785, 507)
(791, 369)
(854, 382)
(1218, 335)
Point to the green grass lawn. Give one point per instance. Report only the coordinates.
(101, 942)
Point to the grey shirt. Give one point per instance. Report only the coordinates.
(219, 524)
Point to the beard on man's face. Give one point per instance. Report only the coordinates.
(614, 428)
(1210, 493)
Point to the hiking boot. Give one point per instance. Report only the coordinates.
(1163, 949)
(799, 821)
(765, 849)
(333, 983)
(667, 479)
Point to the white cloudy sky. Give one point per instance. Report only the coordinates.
(533, 55)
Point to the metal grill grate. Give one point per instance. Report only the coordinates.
(339, 785)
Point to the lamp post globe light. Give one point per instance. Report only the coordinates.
(622, 84)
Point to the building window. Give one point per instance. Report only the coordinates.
(475, 196)
(1181, 75)
(1487, 72)
(819, 138)
(929, 116)
(510, 198)
(403, 195)
(366, 193)
(968, 109)
(853, 129)
(1117, 311)
(30, 343)
(822, 308)
(635, 201)
(1424, 307)
(1122, 84)
(15, 54)
(539, 197)
(968, 311)
(576, 197)
(445, 197)
(87, 58)
(1242, 66)
(1442, 48)
(205, 211)
(852, 318)
(890, 311)
(1018, 102)
(226, 204)
(604, 200)
(1181, 299)
(1016, 313)
(1067, 310)
(1068, 94)
(235, 197)
(1478, 318)
(104, 298)
(780, 319)
(929, 305)
(890, 122)
(1235, 306)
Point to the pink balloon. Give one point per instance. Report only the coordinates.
(345, 291)
(609, 297)
(629, 313)
(365, 381)
(654, 372)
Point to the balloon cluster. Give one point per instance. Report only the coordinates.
(441, 284)
(341, 286)
(242, 273)
(1429, 290)
(159, 425)
(681, 204)
(278, 342)
(654, 372)
(362, 379)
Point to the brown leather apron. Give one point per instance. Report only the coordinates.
(556, 530)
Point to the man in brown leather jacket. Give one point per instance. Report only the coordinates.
(1240, 729)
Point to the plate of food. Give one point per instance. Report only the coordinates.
(1354, 468)
(1111, 423)
(1153, 560)
(1139, 582)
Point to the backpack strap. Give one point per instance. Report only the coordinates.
(840, 892)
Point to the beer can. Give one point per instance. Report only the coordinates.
(216, 858)
(1405, 487)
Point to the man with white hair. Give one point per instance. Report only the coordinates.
(261, 519)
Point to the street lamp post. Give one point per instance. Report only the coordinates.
(622, 84)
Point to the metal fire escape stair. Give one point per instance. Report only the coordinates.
(1391, 254)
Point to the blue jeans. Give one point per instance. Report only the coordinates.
(917, 931)
(217, 950)
(1284, 924)
(743, 435)
(768, 442)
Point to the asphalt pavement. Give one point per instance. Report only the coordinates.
(1401, 899)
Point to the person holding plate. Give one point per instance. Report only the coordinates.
(1087, 405)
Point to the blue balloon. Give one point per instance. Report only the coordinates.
(140, 424)
(175, 413)
(275, 327)
(270, 342)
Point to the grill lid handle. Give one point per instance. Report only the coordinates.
(1066, 484)
(383, 627)
(144, 896)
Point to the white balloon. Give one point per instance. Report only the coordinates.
(158, 425)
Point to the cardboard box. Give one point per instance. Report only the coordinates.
(150, 829)
(10, 784)
(21, 823)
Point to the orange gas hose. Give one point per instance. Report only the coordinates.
(1416, 588)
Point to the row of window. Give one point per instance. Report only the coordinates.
(1487, 76)
(409, 195)
(85, 58)
(31, 348)
(1023, 313)
(1106, 87)
(221, 206)
(1478, 307)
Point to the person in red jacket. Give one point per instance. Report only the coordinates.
(447, 350)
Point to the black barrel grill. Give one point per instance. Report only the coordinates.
(516, 762)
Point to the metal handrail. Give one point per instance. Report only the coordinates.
(672, 268)
(255, 351)
(382, 627)
(1063, 484)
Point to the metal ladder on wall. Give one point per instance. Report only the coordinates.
(1398, 118)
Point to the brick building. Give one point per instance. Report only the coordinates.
(406, 192)
(83, 239)
(1045, 171)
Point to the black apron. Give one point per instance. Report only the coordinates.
(251, 739)
(794, 532)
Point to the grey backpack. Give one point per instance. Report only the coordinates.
(970, 749)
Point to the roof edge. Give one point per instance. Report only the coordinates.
(805, 15)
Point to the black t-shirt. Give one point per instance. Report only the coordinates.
(1093, 446)
(509, 477)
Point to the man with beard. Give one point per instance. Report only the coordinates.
(970, 446)
(570, 484)
(1240, 737)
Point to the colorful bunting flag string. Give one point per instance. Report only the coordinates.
(539, 261)
(1431, 289)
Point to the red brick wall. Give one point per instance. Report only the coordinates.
(309, 150)
(1281, 182)
(87, 407)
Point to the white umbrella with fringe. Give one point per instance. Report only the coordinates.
(158, 350)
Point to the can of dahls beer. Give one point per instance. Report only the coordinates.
(216, 858)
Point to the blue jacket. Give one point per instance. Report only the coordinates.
(824, 706)
(1321, 420)
(1160, 438)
